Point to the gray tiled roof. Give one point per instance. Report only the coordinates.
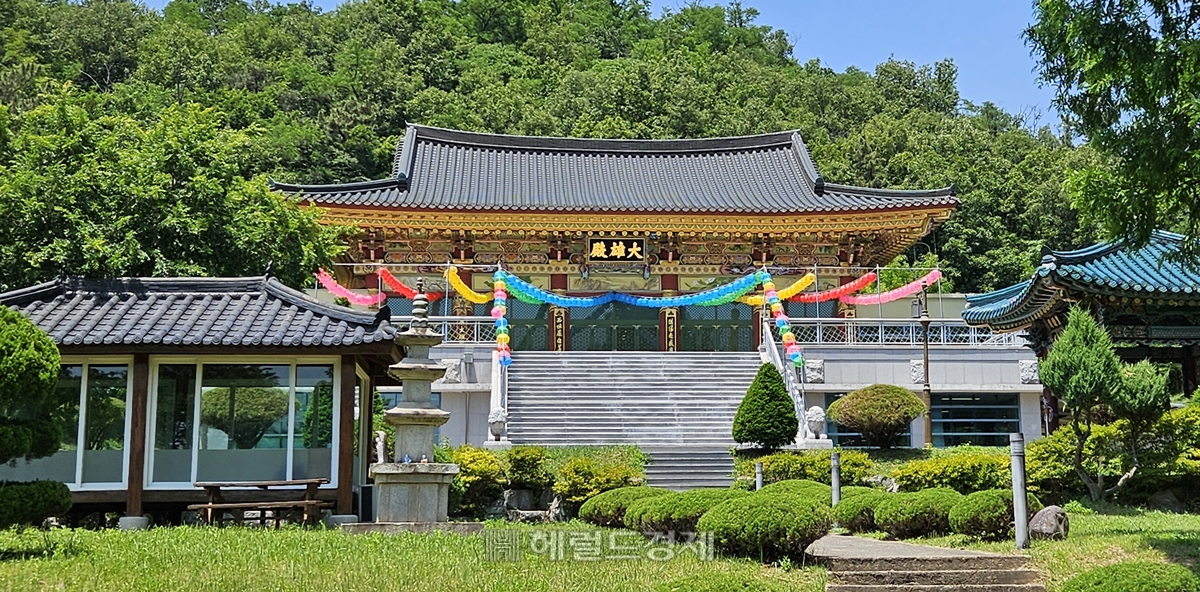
(452, 170)
(253, 311)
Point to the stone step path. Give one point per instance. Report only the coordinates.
(688, 467)
(664, 399)
(859, 564)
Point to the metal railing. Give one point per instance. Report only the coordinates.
(794, 387)
(458, 329)
(900, 332)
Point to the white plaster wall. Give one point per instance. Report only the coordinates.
(1031, 415)
(468, 417)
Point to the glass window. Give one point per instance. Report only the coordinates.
(61, 465)
(981, 419)
(312, 456)
(174, 423)
(104, 423)
(245, 411)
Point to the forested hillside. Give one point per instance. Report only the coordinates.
(128, 137)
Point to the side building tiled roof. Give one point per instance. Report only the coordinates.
(439, 169)
(1108, 269)
(236, 312)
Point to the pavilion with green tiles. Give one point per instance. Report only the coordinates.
(1147, 299)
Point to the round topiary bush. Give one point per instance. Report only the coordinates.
(988, 514)
(767, 527)
(1136, 576)
(857, 512)
(608, 508)
(853, 490)
(881, 412)
(722, 582)
(796, 486)
(767, 415)
(922, 513)
(676, 512)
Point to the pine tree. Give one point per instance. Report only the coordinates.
(766, 415)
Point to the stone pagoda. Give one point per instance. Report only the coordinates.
(414, 490)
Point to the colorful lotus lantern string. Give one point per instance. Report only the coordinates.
(835, 293)
(784, 294)
(781, 320)
(400, 288)
(527, 292)
(901, 292)
(463, 289)
(499, 307)
(343, 292)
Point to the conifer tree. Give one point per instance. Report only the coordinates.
(767, 415)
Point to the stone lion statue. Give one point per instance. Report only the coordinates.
(814, 423)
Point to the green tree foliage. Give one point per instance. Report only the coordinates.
(243, 413)
(29, 401)
(880, 412)
(766, 415)
(1124, 72)
(311, 97)
(1083, 370)
(105, 195)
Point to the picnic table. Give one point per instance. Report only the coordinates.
(213, 511)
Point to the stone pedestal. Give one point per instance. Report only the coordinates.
(412, 492)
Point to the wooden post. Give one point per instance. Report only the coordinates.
(137, 435)
(345, 448)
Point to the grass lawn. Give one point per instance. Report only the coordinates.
(1112, 535)
(248, 559)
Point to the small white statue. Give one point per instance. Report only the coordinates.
(814, 423)
(381, 446)
(497, 420)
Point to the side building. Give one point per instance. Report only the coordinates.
(175, 381)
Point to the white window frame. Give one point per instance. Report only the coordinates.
(81, 432)
(200, 362)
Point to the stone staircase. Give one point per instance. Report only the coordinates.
(864, 565)
(674, 399)
(682, 468)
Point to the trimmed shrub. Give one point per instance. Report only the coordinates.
(722, 582)
(767, 415)
(853, 490)
(481, 478)
(527, 468)
(30, 403)
(857, 512)
(881, 412)
(813, 465)
(1135, 576)
(676, 512)
(767, 527)
(923, 513)
(583, 477)
(802, 488)
(964, 473)
(988, 514)
(32, 502)
(608, 508)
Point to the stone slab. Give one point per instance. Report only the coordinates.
(836, 546)
(463, 528)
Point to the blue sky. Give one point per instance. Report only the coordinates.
(983, 38)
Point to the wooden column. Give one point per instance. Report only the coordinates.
(668, 318)
(1188, 365)
(137, 434)
(345, 448)
(559, 325)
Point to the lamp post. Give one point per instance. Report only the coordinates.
(920, 311)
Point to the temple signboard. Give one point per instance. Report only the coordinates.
(616, 250)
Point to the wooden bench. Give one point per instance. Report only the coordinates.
(213, 512)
